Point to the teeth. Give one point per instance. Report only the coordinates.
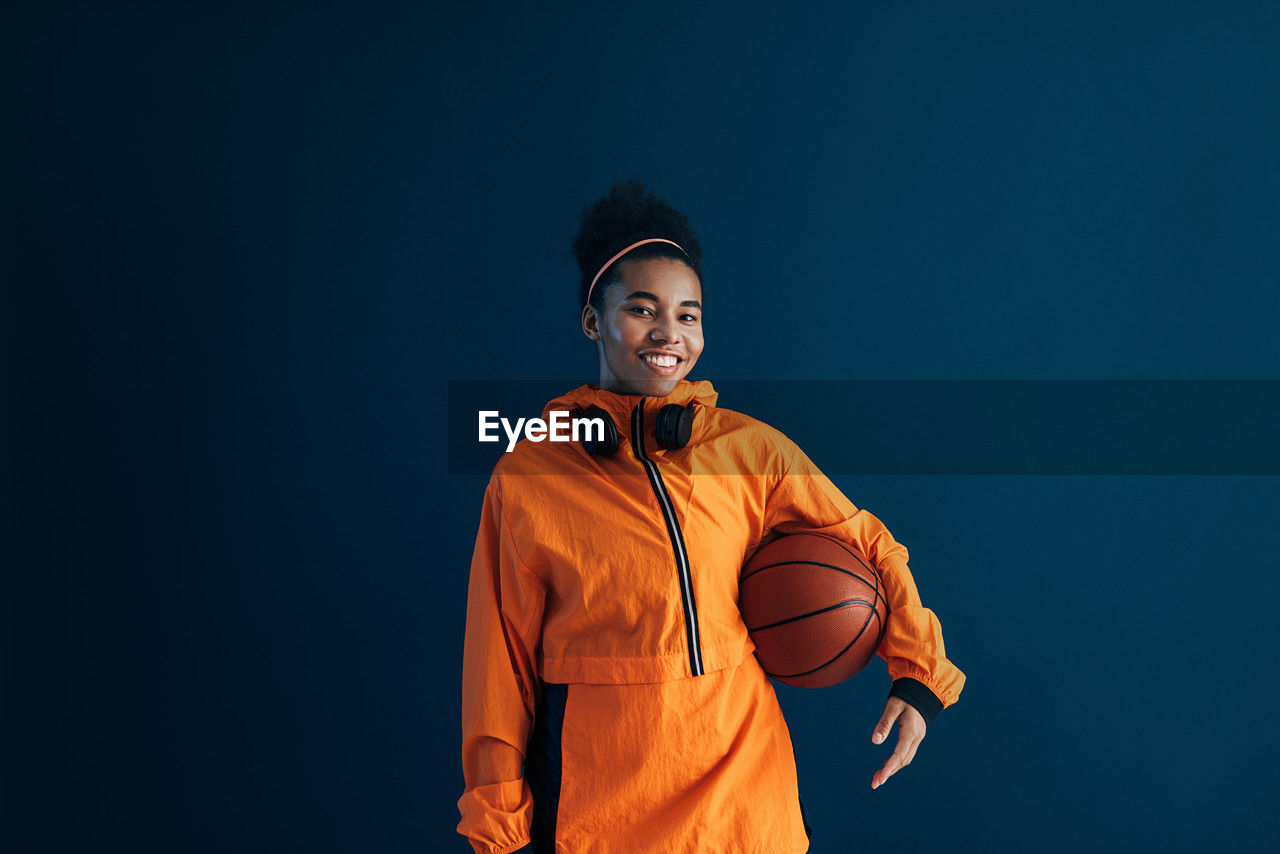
(660, 361)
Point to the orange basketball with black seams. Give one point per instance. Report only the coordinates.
(815, 608)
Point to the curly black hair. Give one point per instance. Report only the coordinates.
(630, 212)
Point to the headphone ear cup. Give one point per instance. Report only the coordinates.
(606, 447)
(674, 427)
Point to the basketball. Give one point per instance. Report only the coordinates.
(815, 608)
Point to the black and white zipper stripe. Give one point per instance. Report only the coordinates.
(677, 541)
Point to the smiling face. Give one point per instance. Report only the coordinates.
(649, 335)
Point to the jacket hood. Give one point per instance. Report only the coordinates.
(687, 392)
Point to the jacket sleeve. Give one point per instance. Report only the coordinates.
(504, 623)
(804, 500)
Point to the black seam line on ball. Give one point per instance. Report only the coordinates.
(813, 613)
(875, 573)
(834, 657)
(677, 541)
(853, 554)
(760, 569)
(860, 559)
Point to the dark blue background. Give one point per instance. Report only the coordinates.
(252, 245)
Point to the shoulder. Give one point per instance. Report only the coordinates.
(732, 421)
(533, 470)
(525, 458)
(766, 445)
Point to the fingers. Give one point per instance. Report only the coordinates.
(891, 712)
(911, 731)
(900, 759)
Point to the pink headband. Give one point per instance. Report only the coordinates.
(624, 252)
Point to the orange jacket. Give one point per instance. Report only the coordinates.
(613, 581)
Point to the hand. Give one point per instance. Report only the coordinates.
(911, 727)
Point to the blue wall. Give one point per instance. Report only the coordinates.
(255, 244)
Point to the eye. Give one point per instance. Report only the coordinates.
(639, 308)
(691, 317)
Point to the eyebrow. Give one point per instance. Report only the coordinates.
(646, 295)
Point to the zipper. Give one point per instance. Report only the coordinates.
(677, 541)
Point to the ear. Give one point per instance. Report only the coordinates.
(590, 323)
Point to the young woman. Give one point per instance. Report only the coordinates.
(610, 698)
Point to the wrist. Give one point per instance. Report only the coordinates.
(917, 695)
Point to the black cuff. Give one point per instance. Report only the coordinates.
(916, 695)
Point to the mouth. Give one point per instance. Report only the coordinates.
(661, 363)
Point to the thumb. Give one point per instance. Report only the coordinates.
(881, 731)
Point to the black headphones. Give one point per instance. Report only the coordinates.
(673, 430)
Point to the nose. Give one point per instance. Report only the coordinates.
(664, 333)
